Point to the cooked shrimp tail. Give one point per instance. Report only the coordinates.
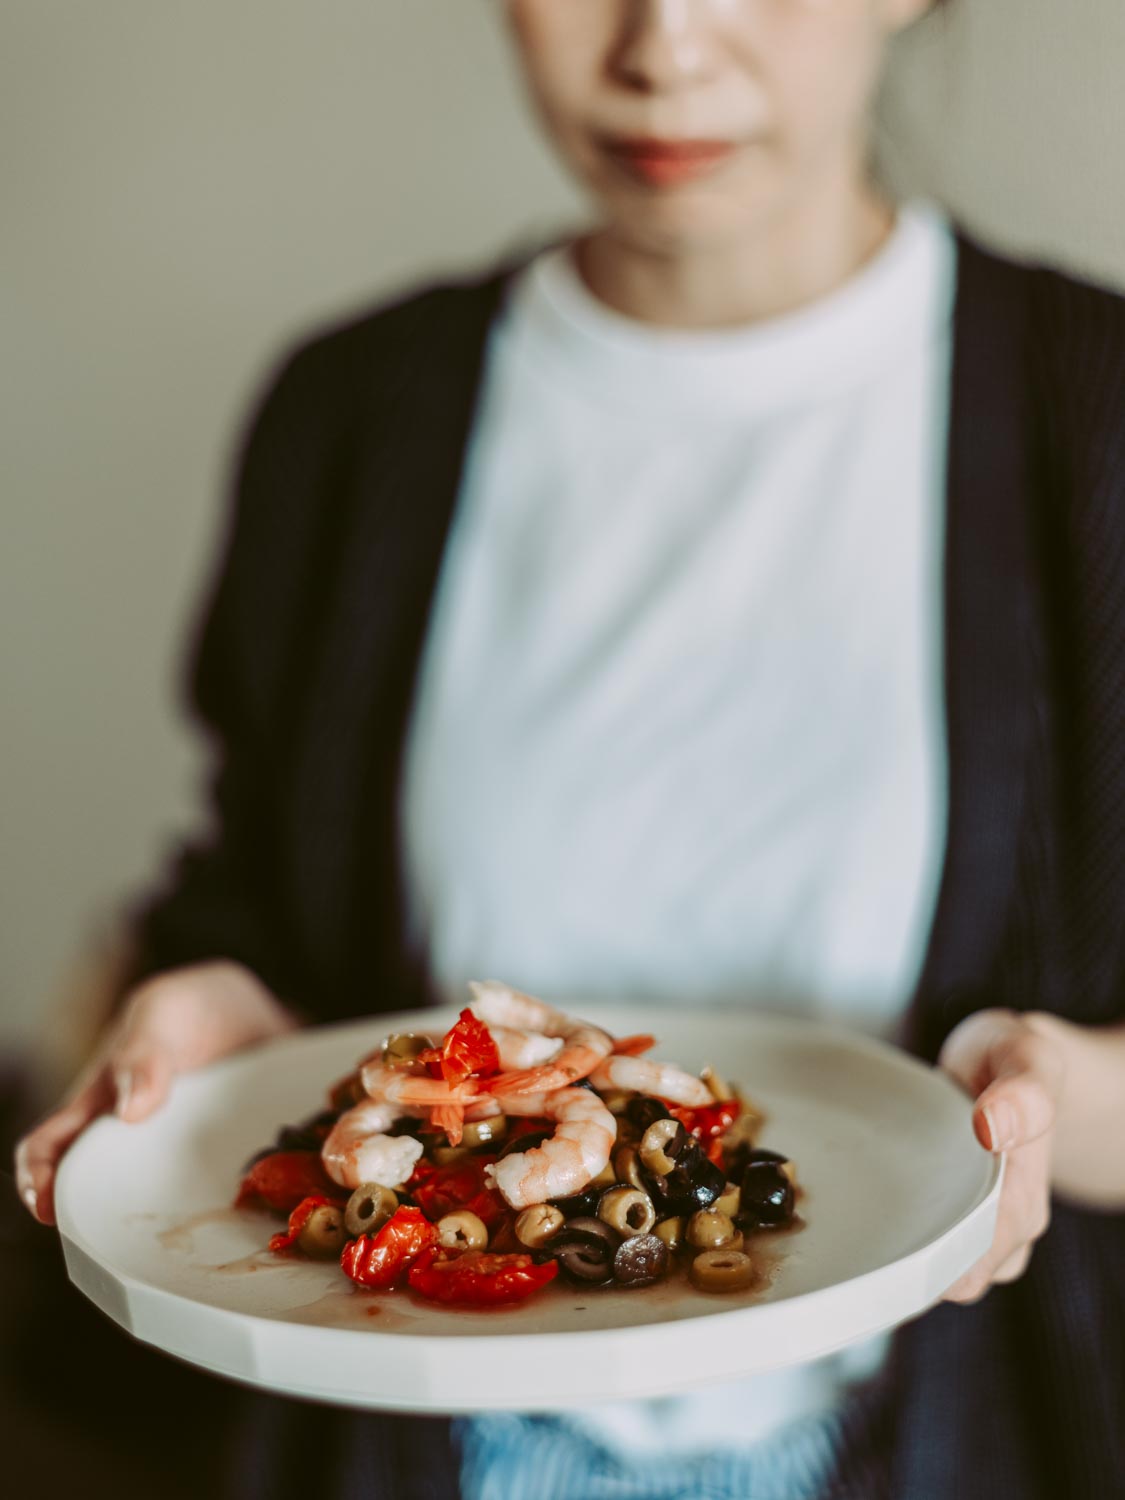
(633, 1046)
(451, 1119)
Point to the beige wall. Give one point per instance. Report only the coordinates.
(183, 185)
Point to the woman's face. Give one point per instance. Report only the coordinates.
(786, 85)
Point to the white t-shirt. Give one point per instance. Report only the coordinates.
(679, 733)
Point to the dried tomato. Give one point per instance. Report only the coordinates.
(297, 1221)
(280, 1180)
(382, 1260)
(503, 1237)
(715, 1153)
(466, 1048)
(444, 1190)
(479, 1278)
(424, 1169)
(709, 1120)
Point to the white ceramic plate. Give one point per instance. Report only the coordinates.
(900, 1200)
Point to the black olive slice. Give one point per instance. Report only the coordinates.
(767, 1194)
(644, 1110)
(588, 1229)
(744, 1155)
(578, 1203)
(587, 1261)
(640, 1260)
(686, 1190)
(702, 1194)
(584, 1249)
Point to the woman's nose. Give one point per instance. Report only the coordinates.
(665, 44)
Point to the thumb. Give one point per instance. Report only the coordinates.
(1014, 1111)
(39, 1152)
(141, 1080)
(1012, 1071)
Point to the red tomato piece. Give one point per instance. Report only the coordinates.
(297, 1221)
(444, 1190)
(280, 1180)
(715, 1153)
(478, 1278)
(424, 1169)
(709, 1120)
(502, 1237)
(466, 1048)
(379, 1261)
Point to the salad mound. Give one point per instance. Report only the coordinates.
(521, 1147)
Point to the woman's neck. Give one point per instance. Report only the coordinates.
(802, 256)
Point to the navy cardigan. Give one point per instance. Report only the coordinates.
(304, 670)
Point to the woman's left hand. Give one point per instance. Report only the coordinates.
(1014, 1068)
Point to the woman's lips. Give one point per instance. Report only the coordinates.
(666, 163)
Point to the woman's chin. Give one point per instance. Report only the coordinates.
(686, 222)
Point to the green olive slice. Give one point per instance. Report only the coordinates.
(484, 1132)
(369, 1208)
(538, 1224)
(322, 1235)
(462, 1231)
(627, 1210)
(617, 1100)
(658, 1153)
(729, 1201)
(403, 1048)
(721, 1090)
(710, 1230)
(607, 1177)
(450, 1156)
(627, 1167)
(671, 1231)
(723, 1271)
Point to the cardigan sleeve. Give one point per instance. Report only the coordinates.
(221, 895)
(237, 888)
(1080, 332)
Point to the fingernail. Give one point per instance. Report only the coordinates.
(123, 1087)
(31, 1198)
(1001, 1126)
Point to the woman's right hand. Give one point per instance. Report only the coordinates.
(173, 1022)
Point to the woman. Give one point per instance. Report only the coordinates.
(775, 652)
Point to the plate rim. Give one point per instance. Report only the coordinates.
(138, 1293)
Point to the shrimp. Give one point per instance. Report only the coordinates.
(520, 1047)
(357, 1149)
(663, 1079)
(415, 1094)
(569, 1160)
(584, 1045)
